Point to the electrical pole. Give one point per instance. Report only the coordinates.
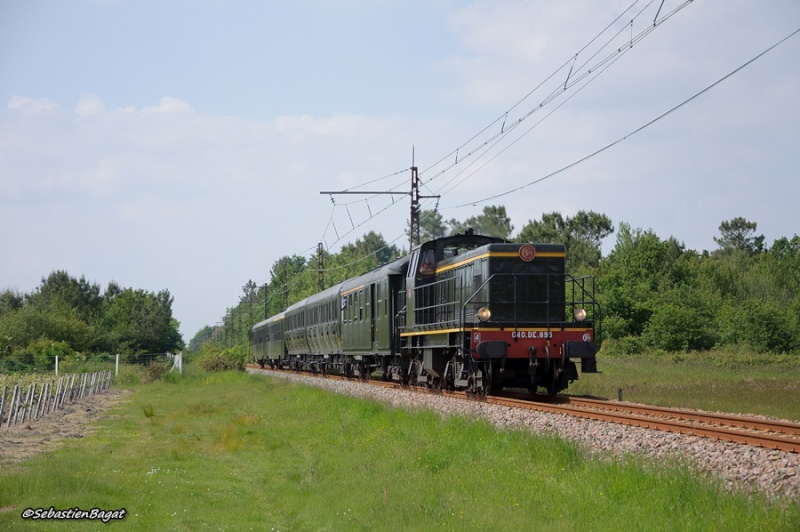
(413, 229)
(320, 268)
(413, 236)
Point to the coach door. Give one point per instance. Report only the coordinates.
(372, 311)
(383, 316)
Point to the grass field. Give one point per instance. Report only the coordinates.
(236, 452)
(725, 382)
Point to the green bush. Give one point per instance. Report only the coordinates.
(629, 345)
(216, 358)
(614, 326)
(763, 326)
(41, 354)
(154, 371)
(675, 327)
(128, 375)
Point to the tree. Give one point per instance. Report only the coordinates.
(363, 255)
(782, 265)
(590, 227)
(739, 234)
(112, 290)
(10, 301)
(372, 244)
(78, 294)
(141, 322)
(582, 235)
(431, 225)
(250, 290)
(52, 320)
(640, 270)
(552, 229)
(285, 282)
(203, 335)
(494, 221)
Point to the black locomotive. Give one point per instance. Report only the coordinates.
(463, 312)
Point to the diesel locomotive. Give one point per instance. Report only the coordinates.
(464, 312)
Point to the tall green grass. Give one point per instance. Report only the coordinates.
(236, 452)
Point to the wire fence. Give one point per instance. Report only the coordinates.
(59, 365)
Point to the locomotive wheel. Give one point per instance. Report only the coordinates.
(412, 375)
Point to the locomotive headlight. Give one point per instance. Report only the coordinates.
(580, 314)
(484, 314)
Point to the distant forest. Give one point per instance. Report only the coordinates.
(71, 318)
(654, 293)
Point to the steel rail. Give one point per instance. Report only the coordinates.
(733, 420)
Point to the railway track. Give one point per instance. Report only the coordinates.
(781, 435)
(757, 432)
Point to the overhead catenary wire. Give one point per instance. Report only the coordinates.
(577, 76)
(581, 74)
(637, 130)
(504, 115)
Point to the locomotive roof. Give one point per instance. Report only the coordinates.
(470, 245)
(544, 248)
(497, 250)
(508, 247)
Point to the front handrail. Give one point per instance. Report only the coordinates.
(586, 300)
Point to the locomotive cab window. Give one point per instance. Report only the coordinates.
(427, 265)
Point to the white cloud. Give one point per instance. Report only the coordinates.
(31, 105)
(336, 124)
(169, 105)
(497, 28)
(89, 104)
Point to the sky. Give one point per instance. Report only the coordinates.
(183, 145)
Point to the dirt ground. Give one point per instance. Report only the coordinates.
(25, 440)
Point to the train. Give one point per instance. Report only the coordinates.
(463, 312)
